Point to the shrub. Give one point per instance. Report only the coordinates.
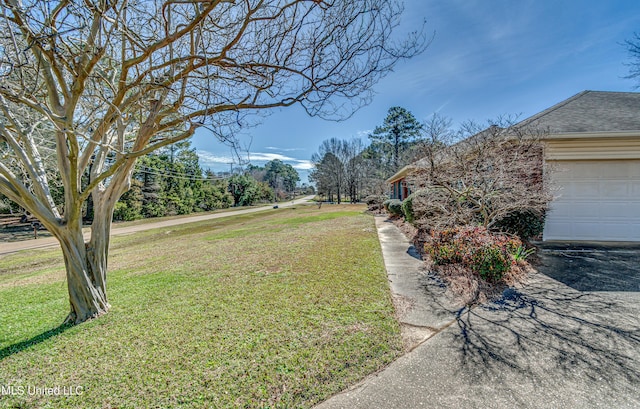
(408, 208)
(487, 254)
(522, 253)
(124, 213)
(490, 262)
(375, 202)
(374, 199)
(526, 224)
(394, 207)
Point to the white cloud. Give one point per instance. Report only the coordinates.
(365, 133)
(263, 156)
(209, 159)
(274, 148)
(303, 165)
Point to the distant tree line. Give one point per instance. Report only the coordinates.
(172, 182)
(280, 177)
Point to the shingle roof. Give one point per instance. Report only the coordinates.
(591, 111)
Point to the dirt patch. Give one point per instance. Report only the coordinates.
(412, 335)
(403, 305)
(46, 278)
(467, 288)
(406, 228)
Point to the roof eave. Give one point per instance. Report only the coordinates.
(591, 135)
(401, 173)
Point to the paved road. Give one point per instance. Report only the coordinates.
(7, 248)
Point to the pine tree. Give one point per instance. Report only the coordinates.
(398, 130)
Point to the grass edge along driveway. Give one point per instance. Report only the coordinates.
(278, 309)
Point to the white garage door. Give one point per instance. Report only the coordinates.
(598, 200)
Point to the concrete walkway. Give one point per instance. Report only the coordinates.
(46, 242)
(546, 345)
(421, 313)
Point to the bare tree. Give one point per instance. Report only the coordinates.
(338, 168)
(102, 83)
(329, 171)
(488, 175)
(436, 134)
(633, 48)
(353, 163)
(327, 175)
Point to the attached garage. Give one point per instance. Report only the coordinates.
(592, 144)
(596, 200)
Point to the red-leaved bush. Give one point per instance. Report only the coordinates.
(489, 255)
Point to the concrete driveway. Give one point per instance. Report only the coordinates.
(569, 339)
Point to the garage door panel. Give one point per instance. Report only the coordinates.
(604, 231)
(613, 170)
(557, 229)
(582, 230)
(625, 212)
(584, 210)
(577, 171)
(615, 189)
(584, 190)
(616, 231)
(596, 200)
(560, 211)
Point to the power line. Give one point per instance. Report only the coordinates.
(172, 174)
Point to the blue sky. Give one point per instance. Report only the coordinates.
(488, 58)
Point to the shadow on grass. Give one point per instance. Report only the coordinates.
(551, 331)
(23, 345)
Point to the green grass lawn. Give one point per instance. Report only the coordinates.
(276, 309)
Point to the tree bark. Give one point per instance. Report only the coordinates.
(86, 265)
(85, 278)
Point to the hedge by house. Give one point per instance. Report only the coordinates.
(394, 207)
